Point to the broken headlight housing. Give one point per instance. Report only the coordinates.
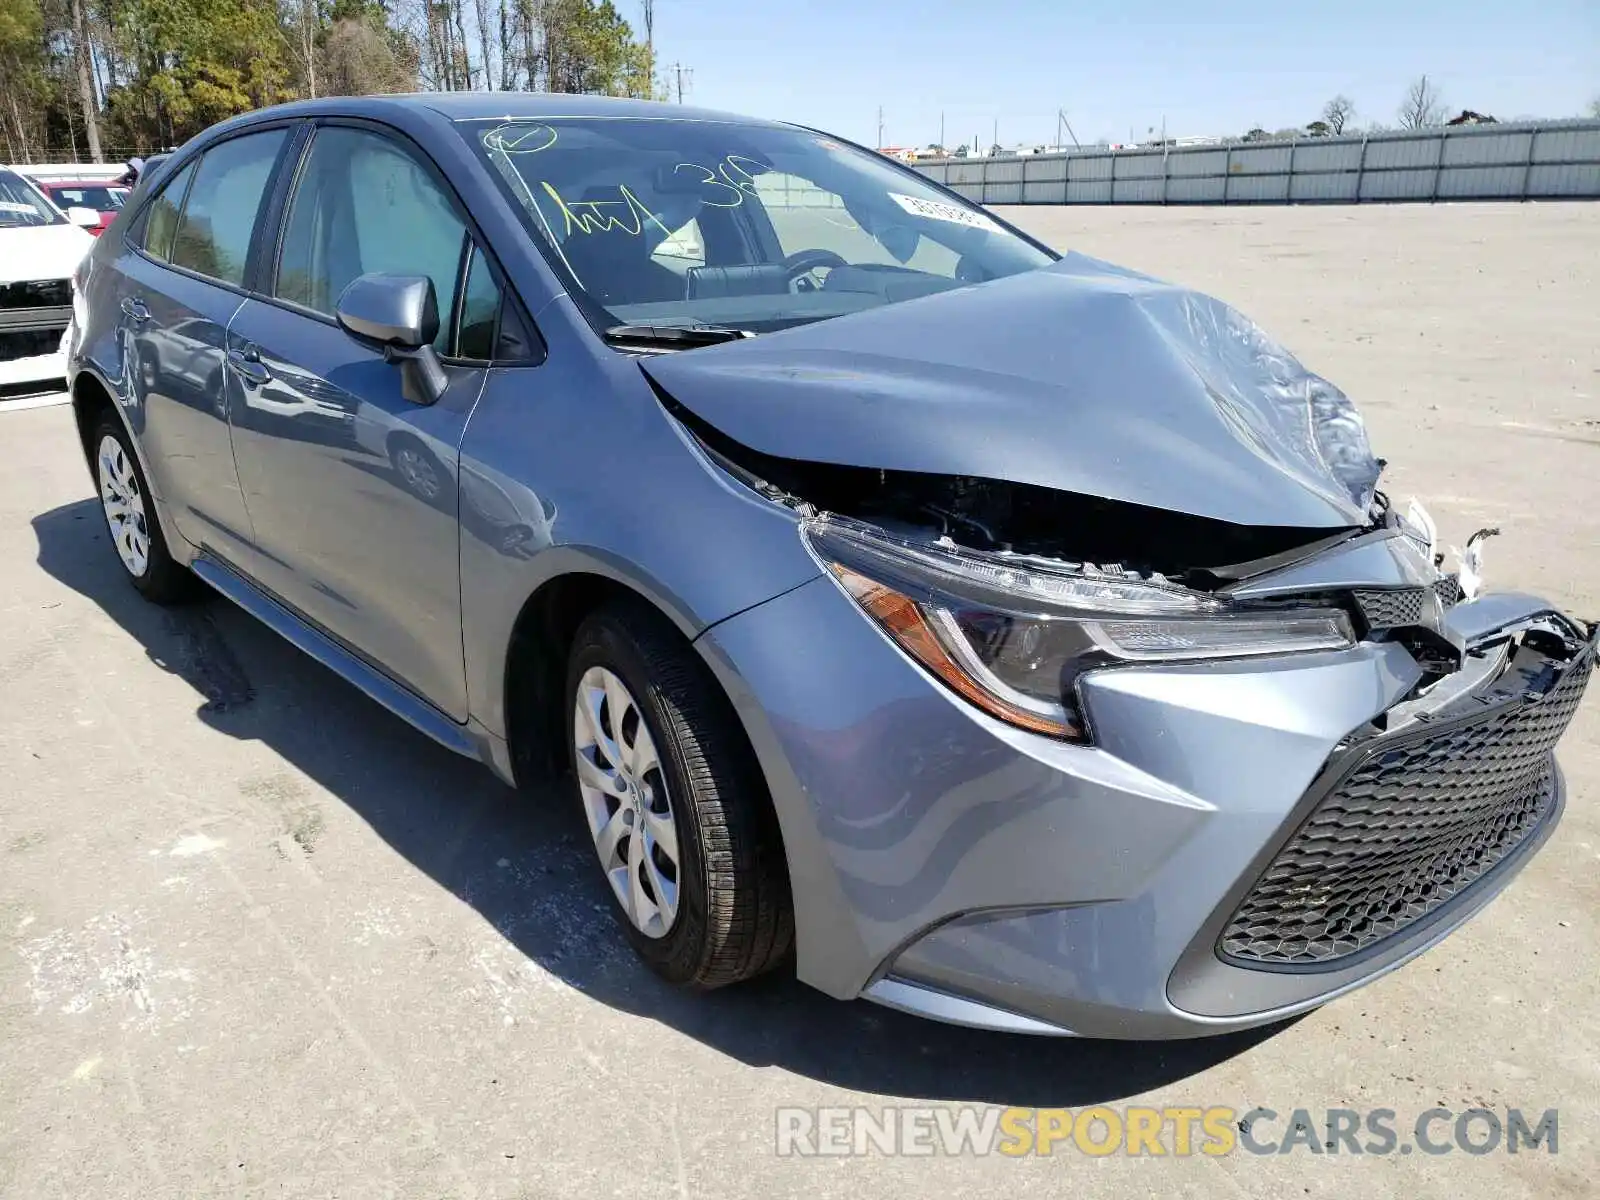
(1011, 633)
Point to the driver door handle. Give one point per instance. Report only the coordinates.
(134, 308)
(245, 362)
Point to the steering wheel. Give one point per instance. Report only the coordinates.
(803, 263)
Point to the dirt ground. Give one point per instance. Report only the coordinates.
(258, 938)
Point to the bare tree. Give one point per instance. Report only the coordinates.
(1423, 105)
(508, 65)
(358, 61)
(485, 40)
(1594, 107)
(464, 55)
(85, 65)
(308, 34)
(1337, 113)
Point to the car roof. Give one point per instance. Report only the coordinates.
(486, 106)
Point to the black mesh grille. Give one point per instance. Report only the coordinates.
(1387, 608)
(1408, 827)
(1448, 589)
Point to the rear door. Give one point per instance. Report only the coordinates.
(352, 487)
(182, 276)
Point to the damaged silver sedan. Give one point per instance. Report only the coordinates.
(1010, 639)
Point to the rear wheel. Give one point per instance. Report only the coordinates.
(131, 520)
(675, 804)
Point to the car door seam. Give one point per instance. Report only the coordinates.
(227, 400)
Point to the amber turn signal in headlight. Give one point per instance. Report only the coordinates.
(1012, 635)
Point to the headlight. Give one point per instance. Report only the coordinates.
(1012, 633)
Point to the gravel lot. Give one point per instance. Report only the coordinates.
(259, 938)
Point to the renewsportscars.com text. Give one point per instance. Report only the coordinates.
(1135, 1130)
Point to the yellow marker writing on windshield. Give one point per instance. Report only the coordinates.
(631, 220)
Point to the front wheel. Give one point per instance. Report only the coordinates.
(131, 520)
(675, 804)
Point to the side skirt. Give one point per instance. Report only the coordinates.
(405, 704)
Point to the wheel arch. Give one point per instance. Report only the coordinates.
(535, 661)
(90, 399)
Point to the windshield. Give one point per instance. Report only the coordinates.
(671, 223)
(101, 198)
(22, 204)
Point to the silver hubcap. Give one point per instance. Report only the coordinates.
(418, 473)
(124, 505)
(626, 802)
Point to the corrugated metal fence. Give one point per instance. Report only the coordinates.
(1546, 160)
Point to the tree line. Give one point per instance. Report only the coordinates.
(1423, 107)
(105, 80)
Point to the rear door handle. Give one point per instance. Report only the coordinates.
(134, 308)
(246, 363)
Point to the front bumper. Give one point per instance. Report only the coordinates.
(953, 866)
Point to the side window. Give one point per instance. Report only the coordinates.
(161, 218)
(480, 312)
(213, 235)
(490, 327)
(364, 204)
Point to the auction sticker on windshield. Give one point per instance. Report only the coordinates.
(936, 211)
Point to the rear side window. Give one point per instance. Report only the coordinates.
(219, 216)
(161, 218)
(364, 204)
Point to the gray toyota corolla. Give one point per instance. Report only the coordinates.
(1007, 638)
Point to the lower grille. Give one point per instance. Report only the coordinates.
(1411, 824)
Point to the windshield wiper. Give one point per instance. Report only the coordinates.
(673, 335)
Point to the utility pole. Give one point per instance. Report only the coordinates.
(995, 145)
(649, 39)
(941, 131)
(1061, 121)
(880, 127)
(679, 70)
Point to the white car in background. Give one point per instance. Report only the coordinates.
(40, 247)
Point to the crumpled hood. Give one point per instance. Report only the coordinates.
(35, 252)
(1081, 377)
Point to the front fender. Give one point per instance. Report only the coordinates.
(575, 468)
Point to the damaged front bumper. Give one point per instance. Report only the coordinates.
(35, 323)
(1243, 840)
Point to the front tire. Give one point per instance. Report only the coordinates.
(675, 803)
(130, 513)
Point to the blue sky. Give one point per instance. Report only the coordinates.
(1208, 66)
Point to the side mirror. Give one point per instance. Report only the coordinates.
(392, 310)
(83, 218)
(401, 314)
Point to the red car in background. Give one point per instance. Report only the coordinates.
(105, 197)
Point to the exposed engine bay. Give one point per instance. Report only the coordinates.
(1115, 539)
(999, 516)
